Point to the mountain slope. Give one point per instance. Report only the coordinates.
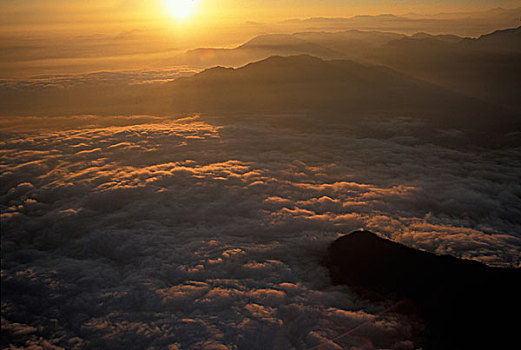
(345, 89)
(335, 91)
(487, 68)
(464, 304)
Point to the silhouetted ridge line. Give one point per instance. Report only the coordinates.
(464, 303)
(333, 88)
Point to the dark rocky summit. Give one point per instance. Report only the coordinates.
(464, 304)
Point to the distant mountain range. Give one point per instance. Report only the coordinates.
(440, 81)
(467, 24)
(486, 68)
(326, 45)
(305, 83)
(340, 91)
(258, 48)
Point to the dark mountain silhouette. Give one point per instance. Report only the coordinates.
(337, 89)
(321, 92)
(465, 304)
(486, 68)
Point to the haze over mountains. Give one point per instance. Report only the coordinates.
(258, 48)
(464, 24)
(442, 82)
(335, 90)
(486, 67)
(46, 51)
(327, 91)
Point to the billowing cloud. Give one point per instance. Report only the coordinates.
(177, 234)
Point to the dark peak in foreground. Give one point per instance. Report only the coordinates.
(464, 304)
(398, 261)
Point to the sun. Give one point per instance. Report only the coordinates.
(180, 9)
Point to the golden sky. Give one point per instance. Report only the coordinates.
(62, 36)
(76, 13)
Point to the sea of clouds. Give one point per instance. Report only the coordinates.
(195, 233)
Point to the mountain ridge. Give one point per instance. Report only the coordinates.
(456, 298)
(302, 82)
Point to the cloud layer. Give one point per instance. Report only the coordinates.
(187, 234)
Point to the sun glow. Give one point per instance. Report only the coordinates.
(180, 9)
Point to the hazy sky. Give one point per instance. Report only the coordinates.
(66, 36)
(29, 12)
(72, 16)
